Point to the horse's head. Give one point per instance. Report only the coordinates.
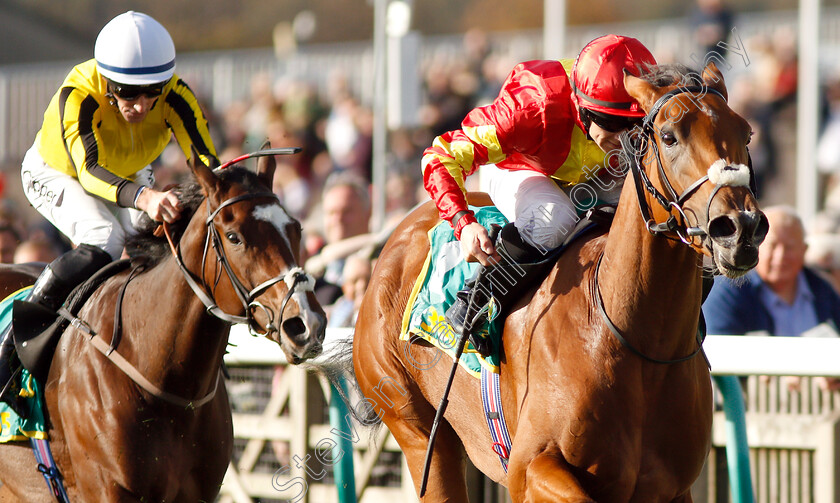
(691, 159)
(250, 258)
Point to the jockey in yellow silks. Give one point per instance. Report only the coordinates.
(89, 171)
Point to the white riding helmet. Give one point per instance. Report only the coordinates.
(135, 49)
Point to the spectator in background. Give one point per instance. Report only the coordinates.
(711, 21)
(37, 249)
(9, 242)
(347, 136)
(255, 118)
(45, 231)
(346, 213)
(823, 255)
(357, 269)
(171, 167)
(781, 296)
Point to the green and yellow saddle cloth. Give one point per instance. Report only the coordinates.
(12, 426)
(444, 273)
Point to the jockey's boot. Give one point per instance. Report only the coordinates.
(50, 290)
(63, 274)
(502, 282)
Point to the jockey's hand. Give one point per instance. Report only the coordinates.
(161, 206)
(476, 245)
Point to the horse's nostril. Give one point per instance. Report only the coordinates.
(761, 229)
(294, 328)
(722, 227)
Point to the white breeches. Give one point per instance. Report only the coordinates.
(82, 217)
(541, 211)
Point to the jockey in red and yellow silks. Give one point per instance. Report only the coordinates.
(532, 125)
(552, 121)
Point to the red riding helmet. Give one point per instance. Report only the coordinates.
(598, 74)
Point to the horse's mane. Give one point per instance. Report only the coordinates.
(149, 249)
(672, 74)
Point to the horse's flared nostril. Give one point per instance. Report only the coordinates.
(722, 228)
(762, 227)
(295, 329)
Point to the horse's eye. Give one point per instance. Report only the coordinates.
(668, 138)
(233, 238)
(749, 138)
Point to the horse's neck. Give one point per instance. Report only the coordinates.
(179, 342)
(651, 285)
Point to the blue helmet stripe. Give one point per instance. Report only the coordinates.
(138, 71)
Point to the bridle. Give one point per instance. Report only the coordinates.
(293, 278)
(635, 145)
(296, 279)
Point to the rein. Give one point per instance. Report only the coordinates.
(599, 301)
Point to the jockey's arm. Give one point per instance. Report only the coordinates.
(513, 124)
(445, 168)
(188, 123)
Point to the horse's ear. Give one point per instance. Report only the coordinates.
(205, 176)
(640, 90)
(714, 79)
(266, 166)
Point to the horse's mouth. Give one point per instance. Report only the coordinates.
(296, 356)
(729, 268)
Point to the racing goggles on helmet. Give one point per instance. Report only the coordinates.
(132, 92)
(611, 123)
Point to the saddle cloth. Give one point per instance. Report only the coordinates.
(443, 274)
(12, 426)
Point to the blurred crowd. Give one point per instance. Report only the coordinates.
(335, 130)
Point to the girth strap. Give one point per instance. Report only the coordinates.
(491, 398)
(48, 468)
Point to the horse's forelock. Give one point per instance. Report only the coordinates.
(671, 74)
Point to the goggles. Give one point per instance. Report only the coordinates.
(132, 92)
(611, 123)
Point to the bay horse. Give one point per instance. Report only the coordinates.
(594, 415)
(115, 439)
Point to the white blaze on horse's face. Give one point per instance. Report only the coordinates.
(276, 216)
(724, 173)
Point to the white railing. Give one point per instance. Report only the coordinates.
(767, 355)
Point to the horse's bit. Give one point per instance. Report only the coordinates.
(294, 278)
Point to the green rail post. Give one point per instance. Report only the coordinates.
(345, 480)
(737, 448)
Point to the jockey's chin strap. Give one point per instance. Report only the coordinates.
(295, 278)
(635, 144)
